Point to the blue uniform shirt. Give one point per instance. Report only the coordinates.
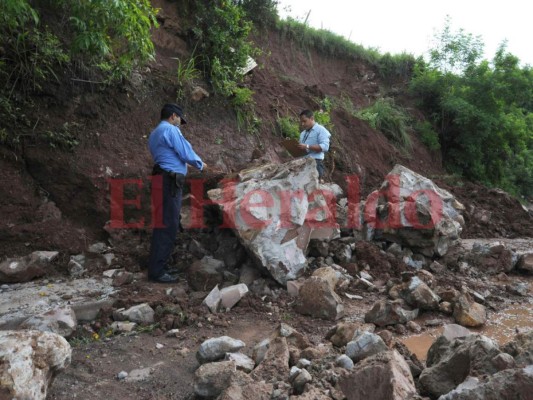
(316, 135)
(171, 150)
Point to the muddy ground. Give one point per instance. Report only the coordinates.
(98, 359)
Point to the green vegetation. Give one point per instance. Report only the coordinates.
(329, 44)
(263, 13)
(289, 127)
(483, 111)
(323, 115)
(384, 115)
(186, 73)
(222, 45)
(428, 135)
(244, 106)
(64, 138)
(112, 37)
(222, 49)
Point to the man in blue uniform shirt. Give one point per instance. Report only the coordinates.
(314, 139)
(171, 154)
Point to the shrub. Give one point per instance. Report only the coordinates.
(244, 106)
(111, 35)
(289, 127)
(428, 135)
(396, 67)
(392, 121)
(222, 44)
(263, 13)
(186, 73)
(115, 35)
(30, 53)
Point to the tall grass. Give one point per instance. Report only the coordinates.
(330, 44)
(390, 119)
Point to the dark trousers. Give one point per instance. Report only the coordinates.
(164, 238)
(320, 168)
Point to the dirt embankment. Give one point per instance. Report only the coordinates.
(112, 125)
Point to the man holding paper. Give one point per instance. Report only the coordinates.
(314, 139)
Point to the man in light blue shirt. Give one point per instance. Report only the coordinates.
(314, 139)
(171, 153)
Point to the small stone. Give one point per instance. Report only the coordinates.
(159, 346)
(123, 327)
(413, 327)
(122, 375)
(183, 352)
(216, 348)
(344, 361)
(303, 363)
(173, 333)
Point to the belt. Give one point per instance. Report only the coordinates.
(176, 177)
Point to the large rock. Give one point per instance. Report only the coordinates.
(525, 263)
(365, 345)
(61, 320)
(521, 348)
(205, 274)
(312, 394)
(318, 299)
(491, 258)
(212, 379)
(449, 363)
(141, 313)
(248, 391)
(216, 348)
(469, 313)
(509, 384)
(383, 376)
(85, 296)
(386, 312)
(293, 338)
(29, 362)
(411, 210)
(274, 210)
(242, 361)
(26, 268)
(417, 294)
(275, 362)
(343, 332)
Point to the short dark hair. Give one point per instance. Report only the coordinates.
(169, 109)
(307, 114)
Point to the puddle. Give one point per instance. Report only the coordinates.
(501, 327)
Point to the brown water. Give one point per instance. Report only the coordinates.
(501, 327)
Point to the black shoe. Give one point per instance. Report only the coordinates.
(171, 269)
(165, 278)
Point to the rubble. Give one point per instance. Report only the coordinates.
(26, 268)
(216, 348)
(141, 314)
(415, 213)
(385, 375)
(29, 361)
(272, 209)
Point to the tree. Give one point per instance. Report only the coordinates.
(484, 111)
(455, 51)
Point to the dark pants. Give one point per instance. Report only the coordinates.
(163, 238)
(320, 168)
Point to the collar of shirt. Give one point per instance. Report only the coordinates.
(308, 132)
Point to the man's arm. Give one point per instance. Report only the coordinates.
(185, 151)
(323, 140)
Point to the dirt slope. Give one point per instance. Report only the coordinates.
(112, 125)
